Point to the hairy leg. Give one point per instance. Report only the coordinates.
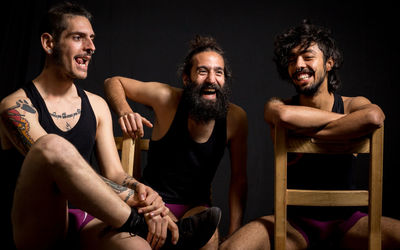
(357, 236)
(259, 233)
(52, 173)
(98, 235)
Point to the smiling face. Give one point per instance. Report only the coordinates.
(207, 71)
(73, 51)
(308, 70)
(205, 93)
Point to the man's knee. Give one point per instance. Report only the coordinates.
(51, 148)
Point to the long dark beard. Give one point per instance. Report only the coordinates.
(202, 110)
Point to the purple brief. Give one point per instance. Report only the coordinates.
(78, 219)
(317, 231)
(180, 209)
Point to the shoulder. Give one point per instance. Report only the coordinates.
(354, 103)
(13, 99)
(96, 101)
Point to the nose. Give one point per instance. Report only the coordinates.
(89, 47)
(211, 78)
(300, 63)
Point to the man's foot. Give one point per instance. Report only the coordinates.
(196, 230)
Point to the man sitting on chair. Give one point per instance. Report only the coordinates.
(307, 57)
(193, 127)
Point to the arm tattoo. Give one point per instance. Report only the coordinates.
(129, 181)
(117, 188)
(18, 125)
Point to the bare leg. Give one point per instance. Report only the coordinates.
(214, 241)
(258, 235)
(97, 235)
(52, 173)
(357, 236)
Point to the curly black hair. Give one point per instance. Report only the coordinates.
(200, 44)
(304, 35)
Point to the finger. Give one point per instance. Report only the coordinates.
(163, 235)
(147, 122)
(141, 190)
(122, 124)
(132, 122)
(139, 124)
(174, 230)
(157, 235)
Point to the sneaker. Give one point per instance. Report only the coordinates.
(194, 231)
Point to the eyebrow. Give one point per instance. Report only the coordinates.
(92, 36)
(208, 68)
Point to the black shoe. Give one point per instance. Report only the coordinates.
(196, 230)
(135, 225)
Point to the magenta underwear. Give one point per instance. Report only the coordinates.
(78, 219)
(180, 209)
(318, 231)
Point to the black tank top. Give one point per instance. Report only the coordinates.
(180, 169)
(319, 171)
(82, 135)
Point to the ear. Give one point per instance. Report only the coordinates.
(185, 79)
(329, 64)
(48, 43)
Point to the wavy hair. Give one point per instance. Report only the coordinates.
(304, 35)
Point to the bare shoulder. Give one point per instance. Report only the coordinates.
(13, 99)
(95, 100)
(236, 121)
(354, 103)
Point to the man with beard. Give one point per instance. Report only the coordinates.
(307, 56)
(56, 125)
(193, 127)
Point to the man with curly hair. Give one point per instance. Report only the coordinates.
(193, 127)
(307, 56)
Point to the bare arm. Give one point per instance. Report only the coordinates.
(153, 94)
(237, 135)
(19, 122)
(360, 118)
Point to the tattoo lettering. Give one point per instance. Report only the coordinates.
(65, 116)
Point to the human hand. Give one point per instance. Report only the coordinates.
(150, 202)
(132, 124)
(158, 226)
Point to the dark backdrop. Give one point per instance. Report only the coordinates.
(147, 40)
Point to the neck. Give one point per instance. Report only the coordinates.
(52, 83)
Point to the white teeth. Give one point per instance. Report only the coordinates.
(302, 77)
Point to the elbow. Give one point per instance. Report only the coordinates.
(275, 113)
(375, 116)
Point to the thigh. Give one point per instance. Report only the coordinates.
(97, 235)
(39, 212)
(357, 236)
(259, 234)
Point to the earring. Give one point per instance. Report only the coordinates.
(50, 51)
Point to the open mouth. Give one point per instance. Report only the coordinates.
(303, 75)
(82, 61)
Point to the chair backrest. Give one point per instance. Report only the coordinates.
(285, 143)
(131, 153)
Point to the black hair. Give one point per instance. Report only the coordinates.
(304, 35)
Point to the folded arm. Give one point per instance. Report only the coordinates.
(361, 117)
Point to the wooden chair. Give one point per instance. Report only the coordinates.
(131, 153)
(372, 197)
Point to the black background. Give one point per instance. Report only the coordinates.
(147, 40)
